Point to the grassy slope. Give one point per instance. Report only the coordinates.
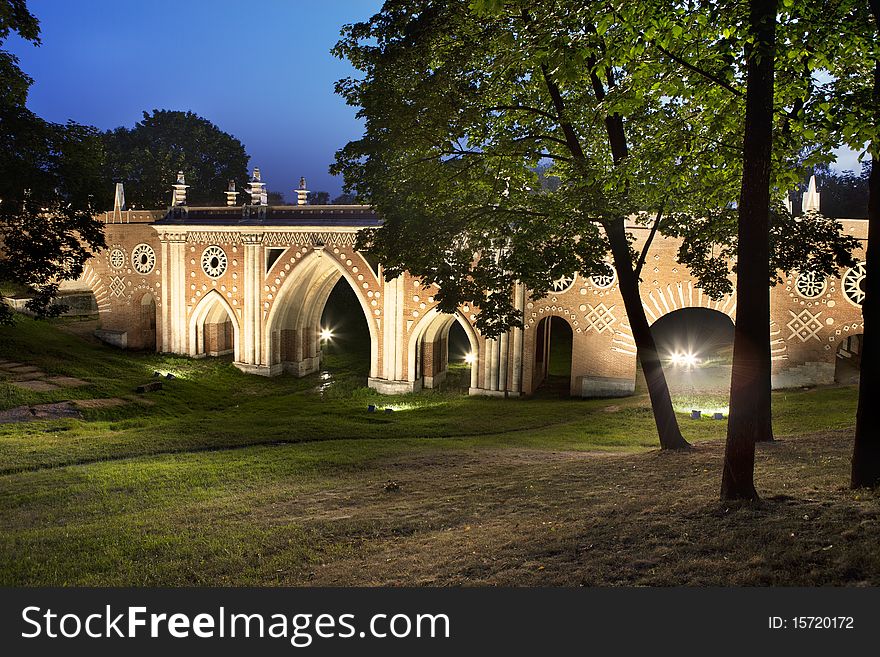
(164, 489)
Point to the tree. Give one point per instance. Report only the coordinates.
(345, 199)
(50, 185)
(275, 198)
(460, 110)
(844, 194)
(765, 89)
(147, 158)
(750, 378)
(319, 198)
(470, 117)
(859, 106)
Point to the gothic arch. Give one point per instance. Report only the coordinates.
(298, 306)
(211, 308)
(431, 326)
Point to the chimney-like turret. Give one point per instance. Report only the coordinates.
(257, 190)
(302, 194)
(811, 197)
(231, 194)
(178, 195)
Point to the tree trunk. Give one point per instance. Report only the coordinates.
(661, 401)
(866, 449)
(750, 379)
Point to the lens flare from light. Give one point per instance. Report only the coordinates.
(326, 334)
(684, 359)
(469, 358)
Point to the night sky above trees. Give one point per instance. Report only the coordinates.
(275, 93)
(103, 63)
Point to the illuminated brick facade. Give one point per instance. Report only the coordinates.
(253, 282)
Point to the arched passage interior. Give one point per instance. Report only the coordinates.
(146, 325)
(848, 363)
(319, 308)
(444, 353)
(344, 335)
(553, 356)
(696, 348)
(213, 329)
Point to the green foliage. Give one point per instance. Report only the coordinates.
(632, 110)
(148, 156)
(319, 198)
(50, 184)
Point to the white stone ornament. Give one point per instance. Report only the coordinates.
(810, 284)
(143, 258)
(603, 281)
(117, 258)
(563, 283)
(853, 284)
(214, 261)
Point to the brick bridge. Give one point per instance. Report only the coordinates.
(252, 281)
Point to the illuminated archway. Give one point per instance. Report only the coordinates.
(428, 355)
(293, 325)
(696, 348)
(213, 328)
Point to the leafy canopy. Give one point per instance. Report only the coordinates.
(632, 111)
(50, 184)
(148, 156)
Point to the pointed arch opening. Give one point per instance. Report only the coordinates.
(213, 328)
(145, 328)
(319, 309)
(444, 353)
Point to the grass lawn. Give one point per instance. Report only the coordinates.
(225, 478)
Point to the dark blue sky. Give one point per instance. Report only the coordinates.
(261, 71)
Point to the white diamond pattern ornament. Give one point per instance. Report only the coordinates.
(600, 318)
(804, 326)
(117, 286)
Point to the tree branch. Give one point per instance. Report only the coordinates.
(696, 69)
(524, 108)
(644, 254)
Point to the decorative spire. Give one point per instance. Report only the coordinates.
(302, 194)
(257, 190)
(811, 198)
(231, 194)
(119, 200)
(178, 195)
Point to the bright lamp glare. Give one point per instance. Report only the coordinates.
(469, 359)
(684, 359)
(326, 334)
